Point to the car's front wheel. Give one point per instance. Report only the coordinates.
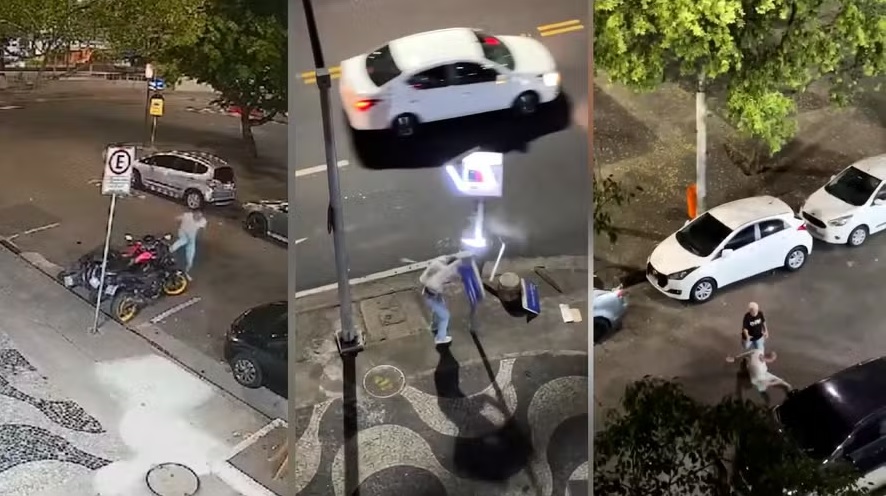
(795, 259)
(257, 225)
(526, 103)
(858, 236)
(703, 290)
(247, 371)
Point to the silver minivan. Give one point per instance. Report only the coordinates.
(196, 178)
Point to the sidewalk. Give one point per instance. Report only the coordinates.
(89, 414)
(501, 414)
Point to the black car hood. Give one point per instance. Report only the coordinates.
(262, 316)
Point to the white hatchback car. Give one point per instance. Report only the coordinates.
(445, 74)
(851, 206)
(727, 244)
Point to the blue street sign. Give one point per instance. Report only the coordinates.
(473, 284)
(156, 84)
(531, 300)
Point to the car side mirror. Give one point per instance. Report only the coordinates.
(726, 252)
(127, 237)
(833, 176)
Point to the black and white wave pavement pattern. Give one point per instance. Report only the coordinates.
(457, 432)
(38, 429)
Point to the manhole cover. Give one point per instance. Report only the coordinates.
(384, 381)
(172, 479)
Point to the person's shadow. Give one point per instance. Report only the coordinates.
(496, 455)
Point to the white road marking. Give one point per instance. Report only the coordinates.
(318, 169)
(238, 481)
(300, 240)
(10, 107)
(34, 230)
(407, 260)
(255, 436)
(174, 310)
(414, 267)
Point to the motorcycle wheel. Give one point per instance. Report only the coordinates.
(175, 284)
(124, 307)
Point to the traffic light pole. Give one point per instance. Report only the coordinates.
(349, 340)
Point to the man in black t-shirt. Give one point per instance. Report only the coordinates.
(753, 328)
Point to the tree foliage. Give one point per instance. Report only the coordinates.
(46, 25)
(241, 53)
(762, 52)
(608, 194)
(664, 443)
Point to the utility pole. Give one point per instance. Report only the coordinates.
(701, 146)
(350, 342)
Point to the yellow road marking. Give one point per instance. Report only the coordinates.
(560, 27)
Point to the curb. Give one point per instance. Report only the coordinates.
(565, 262)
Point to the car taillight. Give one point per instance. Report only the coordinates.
(802, 227)
(365, 104)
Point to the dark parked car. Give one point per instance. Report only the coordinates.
(268, 219)
(256, 347)
(843, 418)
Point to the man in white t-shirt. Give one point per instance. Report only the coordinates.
(190, 223)
(757, 362)
(440, 271)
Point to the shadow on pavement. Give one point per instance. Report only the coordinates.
(351, 421)
(436, 143)
(501, 452)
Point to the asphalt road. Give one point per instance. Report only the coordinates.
(823, 318)
(50, 157)
(397, 204)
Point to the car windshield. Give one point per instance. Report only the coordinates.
(811, 420)
(495, 50)
(381, 66)
(703, 235)
(853, 186)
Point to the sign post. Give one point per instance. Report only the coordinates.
(473, 286)
(149, 75)
(156, 110)
(116, 181)
(480, 175)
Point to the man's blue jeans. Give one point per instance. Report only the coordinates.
(440, 320)
(190, 244)
(757, 345)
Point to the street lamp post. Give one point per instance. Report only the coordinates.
(349, 340)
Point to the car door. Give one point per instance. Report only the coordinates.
(479, 88)
(427, 94)
(157, 175)
(181, 175)
(876, 211)
(277, 349)
(776, 240)
(735, 260)
(279, 222)
(866, 451)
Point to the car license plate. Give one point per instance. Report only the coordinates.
(111, 290)
(69, 281)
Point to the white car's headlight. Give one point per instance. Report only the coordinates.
(679, 276)
(840, 221)
(551, 79)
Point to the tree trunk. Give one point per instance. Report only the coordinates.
(701, 146)
(246, 131)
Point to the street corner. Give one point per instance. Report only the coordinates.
(464, 427)
(393, 316)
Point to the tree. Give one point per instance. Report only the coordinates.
(665, 443)
(46, 27)
(241, 53)
(608, 194)
(762, 53)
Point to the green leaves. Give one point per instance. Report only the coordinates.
(762, 52)
(662, 442)
(608, 194)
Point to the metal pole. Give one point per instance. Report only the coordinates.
(501, 251)
(701, 150)
(478, 224)
(153, 130)
(147, 104)
(101, 282)
(349, 340)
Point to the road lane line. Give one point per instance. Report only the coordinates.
(239, 481)
(414, 267)
(560, 28)
(318, 169)
(254, 437)
(178, 308)
(300, 240)
(34, 230)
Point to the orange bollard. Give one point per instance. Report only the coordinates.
(692, 201)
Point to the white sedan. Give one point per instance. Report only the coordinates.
(851, 206)
(727, 244)
(445, 74)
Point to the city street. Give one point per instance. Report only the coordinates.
(824, 318)
(397, 203)
(50, 202)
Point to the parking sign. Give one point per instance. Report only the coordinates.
(117, 178)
